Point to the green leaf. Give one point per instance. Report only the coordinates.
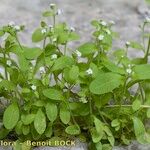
(40, 122)
(98, 146)
(47, 14)
(108, 131)
(73, 130)
(8, 85)
(51, 111)
(19, 51)
(148, 1)
(23, 63)
(37, 35)
(136, 45)
(27, 119)
(1, 32)
(49, 130)
(96, 137)
(113, 68)
(141, 72)
(53, 94)
(50, 49)
(107, 147)
(74, 73)
(98, 125)
(18, 128)
(95, 23)
(110, 135)
(62, 38)
(11, 116)
(26, 130)
(94, 69)
(64, 114)
(136, 105)
(111, 140)
(73, 36)
(148, 113)
(105, 83)
(62, 62)
(139, 61)
(115, 123)
(3, 133)
(32, 53)
(87, 48)
(139, 129)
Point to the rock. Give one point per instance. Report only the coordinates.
(134, 146)
(126, 13)
(6, 148)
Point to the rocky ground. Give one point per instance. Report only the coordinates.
(128, 15)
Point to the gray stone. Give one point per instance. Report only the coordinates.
(6, 148)
(126, 13)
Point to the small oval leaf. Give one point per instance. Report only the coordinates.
(11, 116)
(40, 122)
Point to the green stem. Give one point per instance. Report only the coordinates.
(141, 91)
(65, 49)
(90, 105)
(143, 39)
(54, 20)
(102, 116)
(44, 43)
(147, 52)
(6, 74)
(18, 42)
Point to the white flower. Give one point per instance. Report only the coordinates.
(101, 37)
(17, 28)
(129, 66)
(43, 31)
(33, 87)
(112, 22)
(122, 56)
(52, 5)
(59, 12)
(42, 70)
(147, 19)
(78, 53)
(11, 24)
(54, 56)
(128, 43)
(8, 63)
(72, 29)
(129, 70)
(103, 23)
(89, 71)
